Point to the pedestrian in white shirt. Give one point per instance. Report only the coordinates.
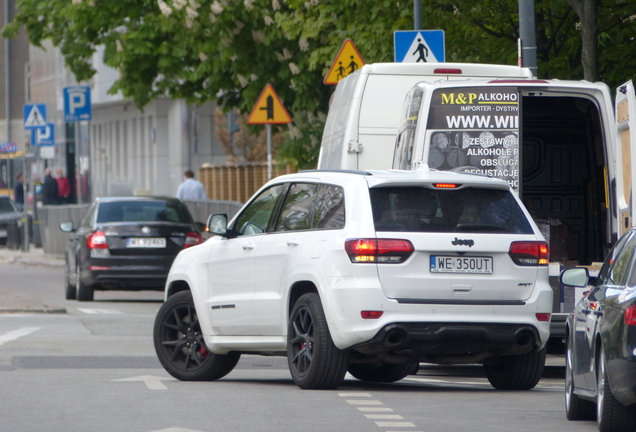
(190, 188)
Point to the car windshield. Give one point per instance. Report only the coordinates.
(7, 206)
(142, 211)
(466, 210)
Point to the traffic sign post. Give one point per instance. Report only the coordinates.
(269, 110)
(34, 116)
(77, 108)
(347, 62)
(419, 46)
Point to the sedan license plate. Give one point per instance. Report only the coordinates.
(464, 264)
(146, 242)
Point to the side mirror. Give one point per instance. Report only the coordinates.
(217, 224)
(576, 277)
(67, 227)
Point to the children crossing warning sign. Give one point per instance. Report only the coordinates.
(269, 109)
(347, 62)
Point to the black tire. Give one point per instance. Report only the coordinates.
(180, 346)
(519, 372)
(83, 292)
(382, 372)
(575, 407)
(314, 361)
(611, 415)
(70, 290)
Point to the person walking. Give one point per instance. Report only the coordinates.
(18, 191)
(50, 188)
(63, 187)
(190, 188)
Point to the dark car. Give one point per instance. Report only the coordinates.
(601, 342)
(9, 213)
(126, 243)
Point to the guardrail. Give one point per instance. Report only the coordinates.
(54, 240)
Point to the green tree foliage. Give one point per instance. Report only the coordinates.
(228, 50)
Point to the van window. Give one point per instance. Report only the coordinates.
(475, 129)
(468, 210)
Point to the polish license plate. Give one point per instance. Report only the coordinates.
(146, 242)
(463, 264)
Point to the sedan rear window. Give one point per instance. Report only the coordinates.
(6, 206)
(467, 210)
(142, 211)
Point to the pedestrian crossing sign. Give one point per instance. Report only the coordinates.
(34, 116)
(269, 109)
(347, 61)
(419, 46)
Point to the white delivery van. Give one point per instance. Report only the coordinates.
(364, 114)
(562, 145)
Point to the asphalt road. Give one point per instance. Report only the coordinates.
(91, 366)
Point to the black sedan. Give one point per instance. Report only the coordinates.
(126, 243)
(9, 213)
(600, 377)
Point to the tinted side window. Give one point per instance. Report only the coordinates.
(329, 211)
(258, 216)
(469, 210)
(295, 214)
(622, 264)
(605, 275)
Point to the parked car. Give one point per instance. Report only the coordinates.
(366, 272)
(9, 213)
(126, 243)
(600, 379)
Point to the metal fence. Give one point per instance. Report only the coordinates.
(54, 241)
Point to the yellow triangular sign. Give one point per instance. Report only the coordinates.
(269, 109)
(347, 61)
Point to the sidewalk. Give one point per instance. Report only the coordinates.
(34, 257)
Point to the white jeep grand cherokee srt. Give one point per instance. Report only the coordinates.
(364, 272)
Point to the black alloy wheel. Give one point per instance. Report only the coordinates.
(70, 290)
(314, 361)
(180, 345)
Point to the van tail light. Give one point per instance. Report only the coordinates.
(192, 239)
(96, 240)
(381, 251)
(447, 71)
(530, 253)
(630, 315)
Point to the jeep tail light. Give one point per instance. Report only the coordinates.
(446, 185)
(542, 316)
(530, 253)
(381, 251)
(630, 315)
(192, 239)
(371, 314)
(96, 240)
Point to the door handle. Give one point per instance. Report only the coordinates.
(248, 246)
(293, 242)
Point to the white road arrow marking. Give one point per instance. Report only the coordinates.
(152, 382)
(13, 335)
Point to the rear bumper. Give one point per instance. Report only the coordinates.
(451, 342)
(127, 273)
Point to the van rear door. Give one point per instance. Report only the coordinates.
(625, 155)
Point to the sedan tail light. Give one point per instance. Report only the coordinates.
(192, 239)
(381, 251)
(530, 253)
(630, 315)
(96, 240)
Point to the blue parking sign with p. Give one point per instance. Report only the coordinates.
(77, 104)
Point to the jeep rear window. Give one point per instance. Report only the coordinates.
(466, 210)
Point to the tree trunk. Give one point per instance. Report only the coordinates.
(587, 11)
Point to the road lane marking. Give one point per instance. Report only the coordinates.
(100, 311)
(152, 382)
(375, 409)
(354, 394)
(13, 335)
(395, 424)
(384, 416)
(364, 402)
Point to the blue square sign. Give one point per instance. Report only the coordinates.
(419, 46)
(77, 104)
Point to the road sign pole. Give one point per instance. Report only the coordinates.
(269, 152)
